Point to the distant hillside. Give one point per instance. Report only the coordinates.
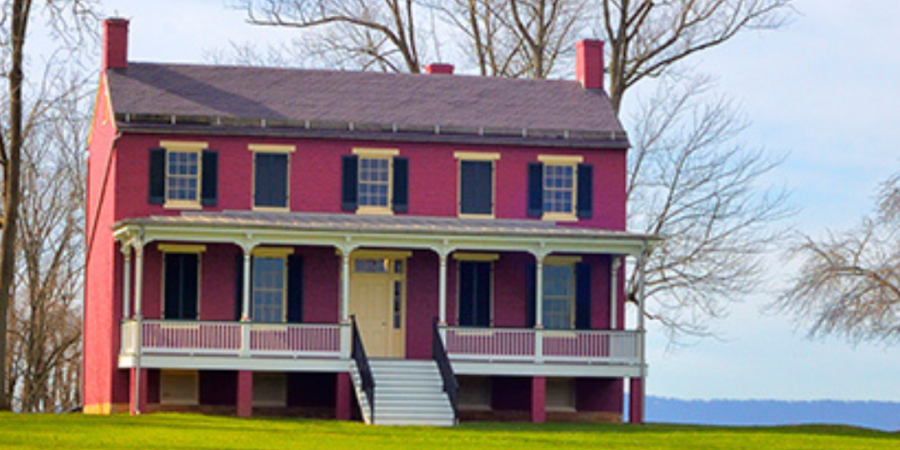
(876, 415)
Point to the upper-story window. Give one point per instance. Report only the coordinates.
(476, 184)
(560, 188)
(271, 176)
(183, 175)
(375, 181)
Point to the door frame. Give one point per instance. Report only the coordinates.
(395, 349)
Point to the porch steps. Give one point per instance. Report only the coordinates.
(407, 392)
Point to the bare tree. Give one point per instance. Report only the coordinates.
(849, 282)
(376, 34)
(692, 182)
(646, 37)
(66, 18)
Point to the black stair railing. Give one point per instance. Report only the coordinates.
(358, 353)
(439, 353)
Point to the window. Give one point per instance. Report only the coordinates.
(476, 183)
(268, 289)
(183, 175)
(181, 287)
(560, 188)
(474, 294)
(559, 296)
(271, 176)
(179, 387)
(374, 181)
(269, 389)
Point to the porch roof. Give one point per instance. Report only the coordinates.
(340, 230)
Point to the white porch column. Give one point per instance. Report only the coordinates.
(614, 292)
(138, 280)
(345, 284)
(126, 281)
(539, 291)
(442, 288)
(245, 295)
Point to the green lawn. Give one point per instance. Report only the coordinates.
(172, 431)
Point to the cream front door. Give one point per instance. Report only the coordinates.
(377, 300)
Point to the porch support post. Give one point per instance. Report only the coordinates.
(538, 399)
(138, 377)
(345, 250)
(245, 295)
(137, 401)
(442, 288)
(245, 393)
(126, 282)
(636, 400)
(343, 400)
(539, 291)
(614, 292)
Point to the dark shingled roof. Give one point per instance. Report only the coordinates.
(404, 100)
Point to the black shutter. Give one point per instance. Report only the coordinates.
(190, 266)
(482, 294)
(583, 296)
(270, 179)
(238, 286)
(157, 176)
(585, 191)
(530, 294)
(181, 286)
(535, 189)
(209, 189)
(466, 294)
(400, 199)
(350, 178)
(476, 187)
(295, 289)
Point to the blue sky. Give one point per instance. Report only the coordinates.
(823, 92)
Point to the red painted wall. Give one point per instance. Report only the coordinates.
(315, 177)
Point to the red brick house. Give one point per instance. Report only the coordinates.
(400, 248)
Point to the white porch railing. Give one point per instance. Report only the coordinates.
(190, 338)
(533, 345)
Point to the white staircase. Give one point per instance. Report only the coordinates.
(407, 392)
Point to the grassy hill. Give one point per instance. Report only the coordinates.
(173, 431)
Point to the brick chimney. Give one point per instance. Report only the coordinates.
(439, 69)
(115, 43)
(589, 63)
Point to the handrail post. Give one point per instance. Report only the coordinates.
(346, 339)
(539, 345)
(245, 339)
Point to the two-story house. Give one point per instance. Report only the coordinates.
(400, 248)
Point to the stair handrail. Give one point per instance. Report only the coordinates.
(358, 353)
(439, 354)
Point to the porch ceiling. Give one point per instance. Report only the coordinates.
(249, 228)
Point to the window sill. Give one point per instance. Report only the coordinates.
(476, 216)
(560, 217)
(180, 205)
(272, 208)
(374, 211)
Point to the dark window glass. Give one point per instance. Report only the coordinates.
(476, 187)
(271, 180)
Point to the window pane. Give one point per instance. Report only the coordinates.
(268, 289)
(559, 182)
(374, 181)
(559, 296)
(182, 175)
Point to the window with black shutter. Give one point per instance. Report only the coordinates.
(183, 175)
(270, 177)
(474, 302)
(476, 188)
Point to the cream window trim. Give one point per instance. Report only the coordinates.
(560, 217)
(272, 208)
(561, 260)
(374, 211)
(380, 254)
(272, 148)
(477, 216)
(181, 248)
(182, 205)
(561, 159)
(481, 257)
(476, 156)
(376, 152)
(272, 252)
(184, 146)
